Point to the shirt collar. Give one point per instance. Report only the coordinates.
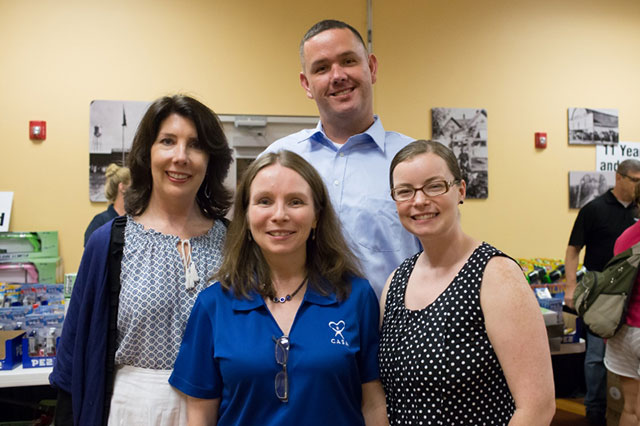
(255, 301)
(374, 133)
(611, 199)
(316, 298)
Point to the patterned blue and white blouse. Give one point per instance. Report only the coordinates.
(154, 300)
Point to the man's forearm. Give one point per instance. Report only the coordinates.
(571, 260)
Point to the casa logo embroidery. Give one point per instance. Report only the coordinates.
(338, 328)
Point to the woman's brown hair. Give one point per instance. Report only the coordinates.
(212, 197)
(422, 146)
(330, 263)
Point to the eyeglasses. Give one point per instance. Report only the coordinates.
(631, 178)
(282, 379)
(431, 189)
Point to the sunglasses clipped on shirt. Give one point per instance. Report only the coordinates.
(282, 378)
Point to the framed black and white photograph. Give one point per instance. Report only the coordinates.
(112, 126)
(586, 186)
(464, 130)
(588, 126)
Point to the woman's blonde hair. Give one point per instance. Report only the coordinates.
(115, 175)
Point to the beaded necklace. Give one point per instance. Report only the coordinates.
(288, 297)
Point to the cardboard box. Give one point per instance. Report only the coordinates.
(10, 349)
(554, 343)
(553, 322)
(551, 317)
(573, 328)
(555, 331)
(50, 270)
(21, 246)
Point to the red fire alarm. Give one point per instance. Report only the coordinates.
(541, 140)
(38, 130)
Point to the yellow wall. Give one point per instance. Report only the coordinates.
(237, 56)
(525, 62)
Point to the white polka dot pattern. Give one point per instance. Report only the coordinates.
(154, 303)
(437, 365)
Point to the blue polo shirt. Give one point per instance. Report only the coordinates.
(228, 352)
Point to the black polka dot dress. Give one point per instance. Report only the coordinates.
(437, 365)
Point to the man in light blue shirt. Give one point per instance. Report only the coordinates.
(350, 148)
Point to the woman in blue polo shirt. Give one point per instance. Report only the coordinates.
(290, 333)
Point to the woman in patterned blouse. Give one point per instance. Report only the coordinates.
(173, 235)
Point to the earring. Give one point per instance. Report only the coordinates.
(313, 233)
(461, 202)
(207, 193)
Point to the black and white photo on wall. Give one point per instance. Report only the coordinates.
(588, 126)
(464, 130)
(112, 126)
(586, 186)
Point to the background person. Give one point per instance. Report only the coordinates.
(173, 241)
(349, 147)
(290, 313)
(463, 341)
(118, 180)
(622, 353)
(597, 226)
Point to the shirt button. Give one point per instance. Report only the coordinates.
(336, 183)
(342, 154)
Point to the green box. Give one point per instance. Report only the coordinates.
(50, 269)
(18, 246)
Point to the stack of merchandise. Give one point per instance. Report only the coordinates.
(547, 280)
(31, 303)
(30, 257)
(31, 318)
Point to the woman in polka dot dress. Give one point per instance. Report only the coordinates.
(463, 341)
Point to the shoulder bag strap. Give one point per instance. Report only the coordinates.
(116, 246)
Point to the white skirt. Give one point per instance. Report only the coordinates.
(142, 396)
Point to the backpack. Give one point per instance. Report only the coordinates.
(601, 298)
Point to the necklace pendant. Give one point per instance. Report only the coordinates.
(288, 297)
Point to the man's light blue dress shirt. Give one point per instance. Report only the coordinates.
(357, 177)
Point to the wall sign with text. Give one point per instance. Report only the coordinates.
(609, 156)
(6, 199)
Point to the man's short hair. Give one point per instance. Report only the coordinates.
(324, 25)
(627, 166)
